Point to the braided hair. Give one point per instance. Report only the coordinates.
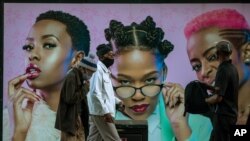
(75, 27)
(144, 36)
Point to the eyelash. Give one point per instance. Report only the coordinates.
(212, 57)
(29, 47)
(50, 45)
(147, 81)
(124, 81)
(197, 67)
(153, 79)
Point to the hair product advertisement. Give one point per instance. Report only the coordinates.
(142, 55)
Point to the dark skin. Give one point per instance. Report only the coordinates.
(216, 98)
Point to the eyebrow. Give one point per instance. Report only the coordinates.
(49, 35)
(203, 54)
(206, 52)
(30, 39)
(43, 37)
(129, 77)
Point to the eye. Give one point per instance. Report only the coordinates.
(151, 80)
(212, 57)
(196, 67)
(49, 45)
(27, 47)
(124, 82)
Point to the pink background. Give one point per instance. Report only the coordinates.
(18, 18)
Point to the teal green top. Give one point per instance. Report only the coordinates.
(159, 127)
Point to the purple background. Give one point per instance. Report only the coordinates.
(18, 19)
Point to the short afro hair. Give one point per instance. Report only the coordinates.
(222, 18)
(75, 27)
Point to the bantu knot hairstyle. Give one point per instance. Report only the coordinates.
(144, 35)
(75, 27)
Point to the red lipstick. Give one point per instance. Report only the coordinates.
(33, 70)
(140, 108)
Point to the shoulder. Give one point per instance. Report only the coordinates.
(227, 67)
(99, 72)
(72, 73)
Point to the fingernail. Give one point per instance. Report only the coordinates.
(172, 106)
(38, 96)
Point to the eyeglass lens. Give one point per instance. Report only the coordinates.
(128, 91)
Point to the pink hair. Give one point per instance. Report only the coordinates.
(222, 18)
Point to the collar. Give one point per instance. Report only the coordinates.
(154, 120)
(103, 67)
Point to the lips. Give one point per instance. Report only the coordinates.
(209, 81)
(140, 108)
(33, 70)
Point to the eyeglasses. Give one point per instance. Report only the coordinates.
(150, 90)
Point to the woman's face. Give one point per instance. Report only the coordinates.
(49, 52)
(137, 68)
(245, 53)
(202, 54)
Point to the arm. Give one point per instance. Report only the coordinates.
(221, 81)
(214, 99)
(70, 93)
(18, 137)
(221, 84)
(182, 130)
(174, 101)
(21, 116)
(97, 92)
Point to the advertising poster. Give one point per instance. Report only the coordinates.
(18, 32)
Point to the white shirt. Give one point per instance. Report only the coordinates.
(101, 96)
(41, 127)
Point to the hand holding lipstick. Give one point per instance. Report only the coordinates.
(22, 115)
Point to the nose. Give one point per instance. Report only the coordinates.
(138, 96)
(205, 71)
(112, 54)
(34, 54)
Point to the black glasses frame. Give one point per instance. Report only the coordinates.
(140, 88)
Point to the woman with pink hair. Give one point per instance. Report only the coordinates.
(202, 34)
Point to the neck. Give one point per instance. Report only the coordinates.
(52, 96)
(105, 64)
